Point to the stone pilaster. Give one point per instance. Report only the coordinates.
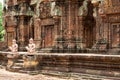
(37, 32)
(81, 31)
(21, 33)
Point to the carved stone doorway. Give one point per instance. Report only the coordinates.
(89, 36)
(89, 32)
(48, 38)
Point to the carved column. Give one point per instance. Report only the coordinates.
(81, 31)
(97, 27)
(56, 25)
(105, 29)
(61, 22)
(31, 25)
(21, 27)
(42, 37)
(70, 22)
(77, 19)
(37, 32)
(118, 37)
(98, 19)
(71, 26)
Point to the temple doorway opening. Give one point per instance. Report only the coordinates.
(48, 36)
(89, 36)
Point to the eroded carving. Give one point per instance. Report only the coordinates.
(83, 10)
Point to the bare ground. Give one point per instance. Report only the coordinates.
(5, 75)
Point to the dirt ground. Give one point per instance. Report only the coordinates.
(5, 75)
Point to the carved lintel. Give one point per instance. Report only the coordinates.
(114, 18)
(48, 21)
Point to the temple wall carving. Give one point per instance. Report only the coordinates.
(114, 18)
(69, 24)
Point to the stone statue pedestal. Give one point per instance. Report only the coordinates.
(11, 60)
(30, 63)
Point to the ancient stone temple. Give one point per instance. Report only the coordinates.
(67, 35)
(63, 25)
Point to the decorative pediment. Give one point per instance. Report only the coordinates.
(45, 9)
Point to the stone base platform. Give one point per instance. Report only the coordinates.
(95, 64)
(105, 65)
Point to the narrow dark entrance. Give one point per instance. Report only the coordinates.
(89, 36)
(89, 32)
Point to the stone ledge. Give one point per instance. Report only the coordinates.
(98, 64)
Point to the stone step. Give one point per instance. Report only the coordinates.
(77, 76)
(16, 67)
(18, 64)
(20, 60)
(45, 50)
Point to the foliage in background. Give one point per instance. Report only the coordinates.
(1, 27)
